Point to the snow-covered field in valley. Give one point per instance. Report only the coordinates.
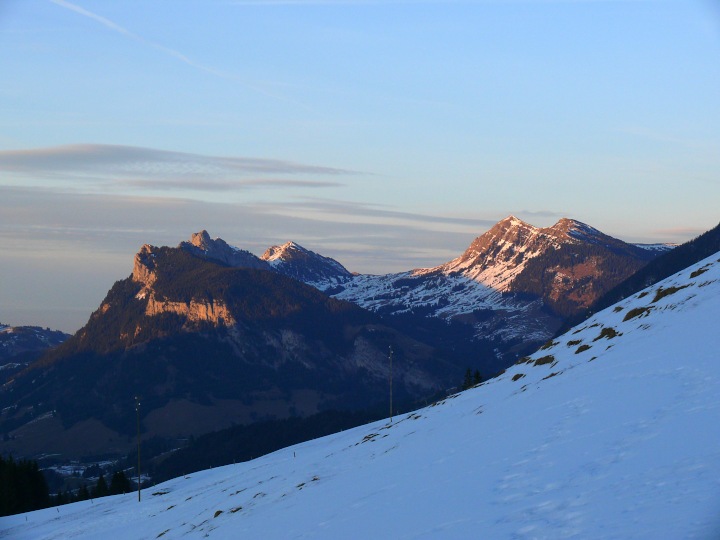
(610, 432)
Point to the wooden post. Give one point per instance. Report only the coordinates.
(391, 389)
(137, 413)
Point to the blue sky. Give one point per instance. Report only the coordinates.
(385, 134)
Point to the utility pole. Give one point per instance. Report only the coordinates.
(391, 374)
(137, 413)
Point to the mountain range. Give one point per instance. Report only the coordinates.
(610, 430)
(513, 287)
(209, 335)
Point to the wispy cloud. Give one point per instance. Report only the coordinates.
(387, 240)
(89, 241)
(230, 185)
(374, 213)
(149, 168)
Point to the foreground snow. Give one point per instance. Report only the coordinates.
(611, 432)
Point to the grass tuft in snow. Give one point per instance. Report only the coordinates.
(545, 360)
(636, 312)
(662, 293)
(608, 332)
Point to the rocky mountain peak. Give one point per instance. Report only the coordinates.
(144, 266)
(506, 241)
(287, 251)
(511, 221)
(201, 239)
(571, 229)
(203, 246)
(295, 261)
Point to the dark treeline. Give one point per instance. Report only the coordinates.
(23, 488)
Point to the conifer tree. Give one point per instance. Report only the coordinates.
(83, 493)
(119, 483)
(468, 380)
(101, 488)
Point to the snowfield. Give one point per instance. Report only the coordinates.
(611, 432)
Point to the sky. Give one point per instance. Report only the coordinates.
(384, 134)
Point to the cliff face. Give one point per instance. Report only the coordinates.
(215, 312)
(146, 269)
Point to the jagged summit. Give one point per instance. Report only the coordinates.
(201, 245)
(201, 239)
(504, 250)
(289, 259)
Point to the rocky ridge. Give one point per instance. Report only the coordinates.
(295, 261)
(515, 281)
(514, 285)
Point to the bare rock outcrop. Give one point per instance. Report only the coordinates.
(204, 247)
(144, 266)
(215, 312)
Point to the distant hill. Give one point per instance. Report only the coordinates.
(20, 345)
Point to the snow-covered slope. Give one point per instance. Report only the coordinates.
(611, 431)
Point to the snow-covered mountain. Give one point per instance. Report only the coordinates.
(295, 261)
(515, 282)
(511, 289)
(612, 431)
(289, 259)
